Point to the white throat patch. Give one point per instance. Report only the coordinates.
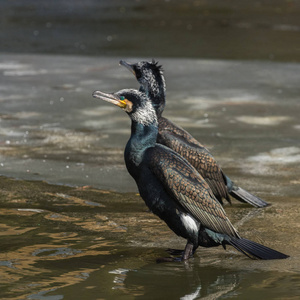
(145, 114)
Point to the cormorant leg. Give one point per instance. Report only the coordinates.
(179, 251)
(188, 251)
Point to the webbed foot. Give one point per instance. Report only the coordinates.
(184, 254)
(168, 259)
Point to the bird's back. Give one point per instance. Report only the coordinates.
(197, 155)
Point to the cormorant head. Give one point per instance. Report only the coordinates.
(152, 81)
(133, 102)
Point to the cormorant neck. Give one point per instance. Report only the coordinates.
(156, 93)
(144, 130)
(142, 137)
(145, 135)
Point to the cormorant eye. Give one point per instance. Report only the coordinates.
(122, 98)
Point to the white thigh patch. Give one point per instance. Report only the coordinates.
(189, 222)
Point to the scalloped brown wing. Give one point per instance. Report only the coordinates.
(168, 126)
(189, 189)
(198, 156)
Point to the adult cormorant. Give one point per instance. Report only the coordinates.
(151, 78)
(172, 188)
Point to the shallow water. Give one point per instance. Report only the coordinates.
(52, 129)
(90, 235)
(68, 243)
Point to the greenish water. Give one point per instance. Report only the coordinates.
(61, 242)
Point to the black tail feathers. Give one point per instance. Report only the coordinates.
(244, 196)
(255, 250)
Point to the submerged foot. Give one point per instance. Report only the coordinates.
(184, 254)
(168, 259)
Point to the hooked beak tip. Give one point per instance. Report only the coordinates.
(128, 66)
(96, 94)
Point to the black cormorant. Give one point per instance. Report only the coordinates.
(150, 76)
(172, 188)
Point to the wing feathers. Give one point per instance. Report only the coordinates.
(189, 189)
(198, 156)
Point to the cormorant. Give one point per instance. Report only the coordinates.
(172, 188)
(151, 78)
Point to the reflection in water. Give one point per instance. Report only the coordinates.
(44, 245)
(43, 296)
(55, 245)
(119, 278)
(183, 281)
(191, 296)
(56, 251)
